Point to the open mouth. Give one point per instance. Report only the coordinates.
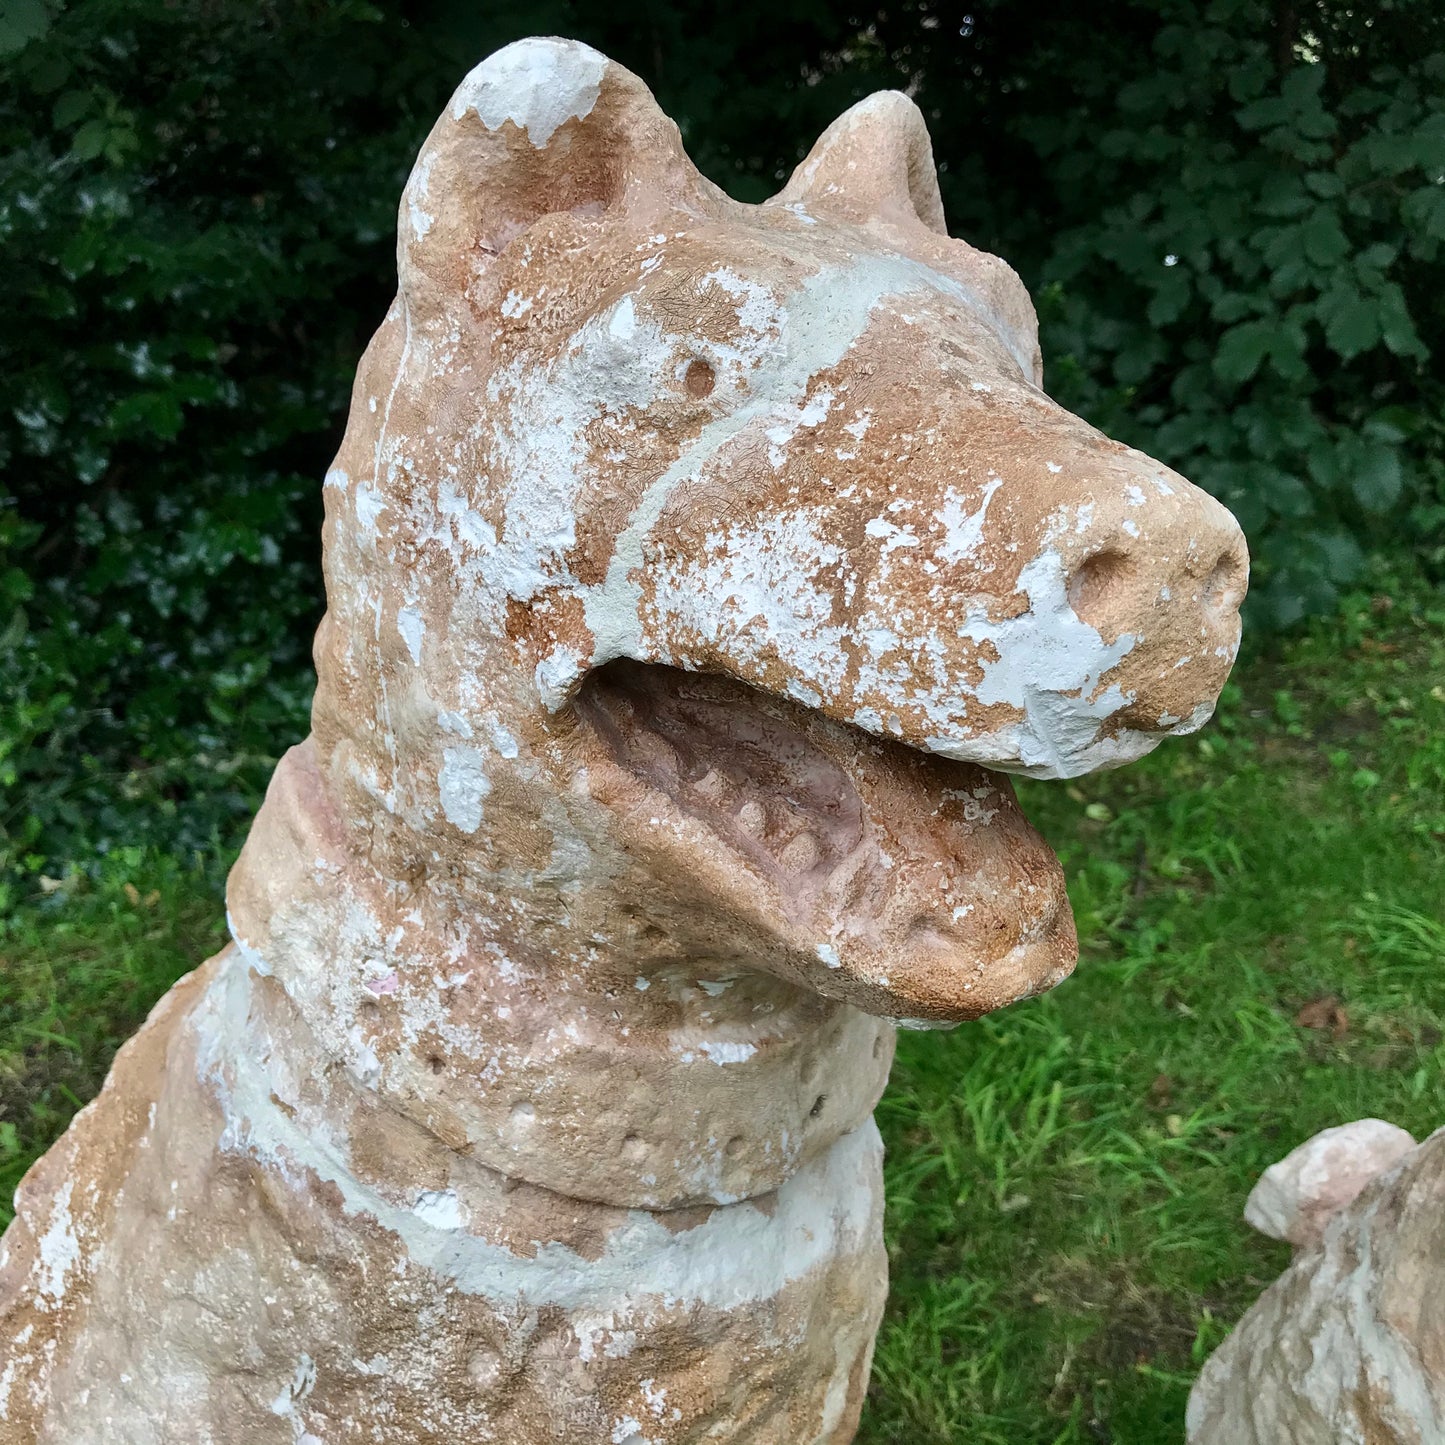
(909, 885)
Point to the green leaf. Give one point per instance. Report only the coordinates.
(1424, 211)
(1341, 554)
(1377, 479)
(1352, 324)
(1283, 195)
(1430, 142)
(1395, 323)
(1235, 306)
(90, 140)
(1135, 361)
(1325, 184)
(1324, 242)
(155, 412)
(1393, 424)
(1242, 349)
(1170, 297)
(1324, 465)
(1287, 350)
(1259, 114)
(49, 72)
(70, 108)
(1390, 154)
(22, 21)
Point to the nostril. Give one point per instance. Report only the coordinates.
(1097, 585)
(1223, 589)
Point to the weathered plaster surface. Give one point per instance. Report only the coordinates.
(693, 569)
(1296, 1198)
(1347, 1347)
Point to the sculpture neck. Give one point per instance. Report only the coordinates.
(677, 1086)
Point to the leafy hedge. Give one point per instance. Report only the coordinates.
(1232, 214)
(1258, 296)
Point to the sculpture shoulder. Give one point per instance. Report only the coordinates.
(65, 1208)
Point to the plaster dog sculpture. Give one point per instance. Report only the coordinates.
(691, 569)
(1349, 1343)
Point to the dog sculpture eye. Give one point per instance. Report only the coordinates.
(699, 379)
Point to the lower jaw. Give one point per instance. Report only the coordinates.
(902, 882)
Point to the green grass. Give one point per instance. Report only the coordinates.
(78, 974)
(1066, 1177)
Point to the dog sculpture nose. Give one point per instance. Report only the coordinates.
(1124, 581)
(1160, 562)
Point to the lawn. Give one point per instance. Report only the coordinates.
(1260, 910)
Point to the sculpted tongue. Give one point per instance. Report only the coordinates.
(908, 885)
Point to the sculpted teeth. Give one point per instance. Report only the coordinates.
(752, 819)
(800, 855)
(714, 787)
(654, 752)
(735, 760)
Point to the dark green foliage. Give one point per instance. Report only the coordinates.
(1257, 297)
(197, 205)
(1231, 213)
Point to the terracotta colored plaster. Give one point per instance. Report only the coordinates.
(1349, 1343)
(695, 574)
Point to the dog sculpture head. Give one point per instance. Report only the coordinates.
(695, 569)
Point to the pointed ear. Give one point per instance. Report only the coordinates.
(541, 126)
(874, 162)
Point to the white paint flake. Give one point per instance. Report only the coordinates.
(962, 529)
(440, 1208)
(58, 1250)
(291, 1396)
(462, 784)
(537, 84)
(412, 626)
(1049, 664)
(727, 1051)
